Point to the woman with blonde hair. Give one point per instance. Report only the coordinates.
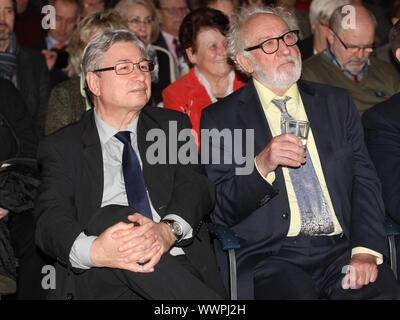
(67, 100)
(140, 17)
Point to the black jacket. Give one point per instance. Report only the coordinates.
(17, 138)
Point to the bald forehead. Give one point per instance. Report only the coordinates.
(357, 19)
(264, 26)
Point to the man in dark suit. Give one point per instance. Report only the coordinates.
(54, 46)
(170, 14)
(25, 68)
(382, 135)
(104, 248)
(304, 216)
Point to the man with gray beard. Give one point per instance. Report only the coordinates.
(310, 219)
(347, 62)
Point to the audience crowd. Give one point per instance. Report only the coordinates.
(348, 49)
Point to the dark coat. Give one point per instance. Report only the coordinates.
(17, 138)
(382, 135)
(34, 84)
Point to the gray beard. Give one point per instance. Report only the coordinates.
(280, 81)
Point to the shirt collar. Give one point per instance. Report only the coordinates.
(50, 42)
(107, 131)
(169, 40)
(347, 72)
(266, 95)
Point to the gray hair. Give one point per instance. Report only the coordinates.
(321, 10)
(237, 41)
(93, 55)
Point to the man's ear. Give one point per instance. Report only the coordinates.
(93, 83)
(398, 54)
(191, 56)
(329, 36)
(244, 63)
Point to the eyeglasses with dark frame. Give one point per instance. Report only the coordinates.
(271, 45)
(354, 49)
(123, 68)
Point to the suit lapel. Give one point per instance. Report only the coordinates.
(317, 109)
(251, 116)
(317, 113)
(251, 113)
(93, 157)
(158, 177)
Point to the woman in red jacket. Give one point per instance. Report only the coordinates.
(202, 36)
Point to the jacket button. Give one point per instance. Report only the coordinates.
(285, 215)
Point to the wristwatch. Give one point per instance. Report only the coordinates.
(176, 228)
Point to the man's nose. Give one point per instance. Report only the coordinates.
(137, 74)
(62, 25)
(283, 49)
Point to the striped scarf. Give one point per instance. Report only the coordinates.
(8, 61)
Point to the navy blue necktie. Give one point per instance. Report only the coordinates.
(133, 176)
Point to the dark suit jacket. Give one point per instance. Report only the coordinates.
(17, 137)
(72, 190)
(382, 136)
(34, 84)
(259, 212)
(161, 42)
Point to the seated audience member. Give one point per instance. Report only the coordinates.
(226, 6)
(28, 24)
(17, 140)
(348, 63)
(25, 68)
(140, 17)
(320, 13)
(67, 103)
(382, 135)
(89, 6)
(170, 15)
(54, 46)
(301, 214)
(301, 16)
(120, 226)
(202, 35)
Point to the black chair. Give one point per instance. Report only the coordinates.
(392, 230)
(229, 243)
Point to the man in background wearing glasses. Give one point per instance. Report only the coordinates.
(170, 14)
(310, 220)
(120, 226)
(348, 61)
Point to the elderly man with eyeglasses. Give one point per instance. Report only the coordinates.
(170, 14)
(310, 219)
(120, 225)
(348, 61)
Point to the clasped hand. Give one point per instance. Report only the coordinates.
(137, 248)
